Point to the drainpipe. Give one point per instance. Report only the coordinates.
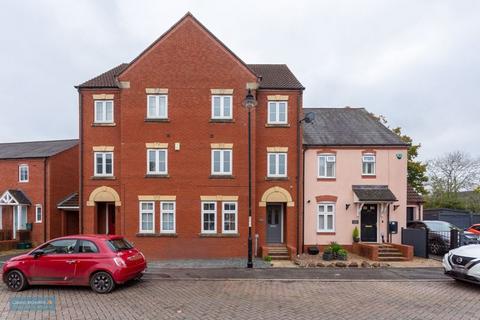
(45, 201)
(389, 235)
(299, 158)
(80, 163)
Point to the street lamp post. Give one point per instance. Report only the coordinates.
(249, 103)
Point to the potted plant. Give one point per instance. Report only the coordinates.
(356, 234)
(328, 254)
(342, 254)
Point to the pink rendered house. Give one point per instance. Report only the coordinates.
(355, 175)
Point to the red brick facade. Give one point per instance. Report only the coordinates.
(187, 61)
(50, 179)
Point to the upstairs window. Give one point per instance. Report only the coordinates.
(103, 111)
(157, 162)
(326, 166)
(277, 112)
(221, 162)
(157, 106)
(221, 107)
(103, 164)
(277, 164)
(368, 165)
(23, 173)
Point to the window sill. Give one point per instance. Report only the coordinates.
(96, 124)
(222, 121)
(277, 125)
(219, 235)
(157, 176)
(326, 233)
(157, 120)
(326, 179)
(157, 235)
(103, 178)
(369, 176)
(276, 179)
(219, 176)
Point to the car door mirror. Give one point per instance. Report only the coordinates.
(38, 253)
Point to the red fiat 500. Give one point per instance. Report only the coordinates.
(100, 261)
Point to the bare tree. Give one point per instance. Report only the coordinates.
(453, 172)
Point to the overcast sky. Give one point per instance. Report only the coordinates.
(416, 62)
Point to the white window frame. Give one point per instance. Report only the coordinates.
(366, 156)
(103, 105)
(222, 107)
(325, 213)
(104, 164)
(20, 167)
(157, 114)
(222, 169)
(140, 210)
(1, 217)
(277, 162)
(214, 211)
(168, 211)
(328, 158)
(229, 212)
(277, 114)
(157, 163)
(37, 207)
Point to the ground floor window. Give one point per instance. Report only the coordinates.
(209, 217)
(38, 213)
(147, 217)
(167, 218)
(229, 217)
(410, 214)
(326, 217)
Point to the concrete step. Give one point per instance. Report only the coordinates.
(388, 250)
(280, 257)
(391, 259)
(278, 251)
(390, 254)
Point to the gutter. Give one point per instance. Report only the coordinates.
(80, 163)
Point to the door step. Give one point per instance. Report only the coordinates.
(388, 253)
(278, 252)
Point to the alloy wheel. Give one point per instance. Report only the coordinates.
(15, 280)
(102, 282)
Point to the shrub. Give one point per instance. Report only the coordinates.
(328, 250)
(267, 259)
(356, 234)
(335, 247)
(342, 253)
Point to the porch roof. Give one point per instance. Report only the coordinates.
(373, 193)
(70, 202)
(13, 197)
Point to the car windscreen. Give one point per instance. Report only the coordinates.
(119, 244)
(439, 226)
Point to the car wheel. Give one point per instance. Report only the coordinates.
(16, 281)
(436, 247)
(102, 282)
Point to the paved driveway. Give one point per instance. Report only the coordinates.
(259, 299)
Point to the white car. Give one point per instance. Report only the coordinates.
(463, 263)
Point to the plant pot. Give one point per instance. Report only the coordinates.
(356, 240)
(342, 258)
(327, 256)
(313, 250)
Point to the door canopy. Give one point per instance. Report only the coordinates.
(104, 194)
(14, 198)
(276, 194)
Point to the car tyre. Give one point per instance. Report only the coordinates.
(102, 282)
(16, 281)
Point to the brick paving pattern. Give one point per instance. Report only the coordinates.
(258, 299)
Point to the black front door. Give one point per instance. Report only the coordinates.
(368, 223)
(274, 223)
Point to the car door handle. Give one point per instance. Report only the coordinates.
(71, 261)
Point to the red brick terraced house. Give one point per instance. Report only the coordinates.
(164, 150)
(34, 178)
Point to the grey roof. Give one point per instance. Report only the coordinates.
(347, 127)
(34, 149)
(275, 76)
(272, 76)
(413, 196)
(373, 193)
(70, 201)
(19, 196)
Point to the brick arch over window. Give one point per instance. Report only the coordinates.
(326, 197)
(276, 194)
(104, 194)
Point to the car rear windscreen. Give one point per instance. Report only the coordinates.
(119, 244)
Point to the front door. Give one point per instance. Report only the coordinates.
(105, 218)
(274, 223)
(368, 223)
